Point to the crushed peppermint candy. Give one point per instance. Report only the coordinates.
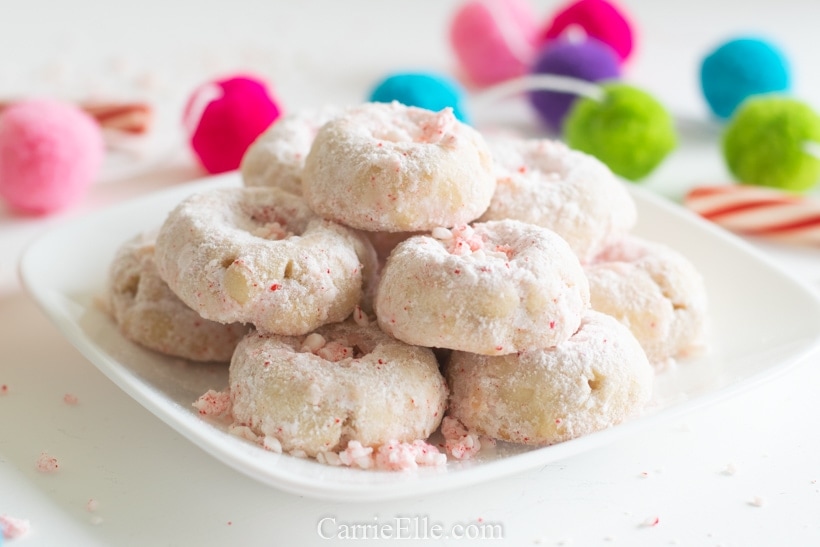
(461, 240)
(651, 522)
(329, 350)
(459, 442)
(392, 456)
(440, 129)
(4, 389)
(356, 455)
(12, 527)
(47, 464)
(335, 351)
(214, 403)
(70, 399)
(401, 456)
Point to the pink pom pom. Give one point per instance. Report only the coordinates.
(50, 153)
(224, 117)
(494, 40)
(599, 19)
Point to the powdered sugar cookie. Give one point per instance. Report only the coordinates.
(597, 378)
(344, 382)
(277, 156)
(260, 256)
(545, 183)
(395, 168)
(148, 312)
(655, 291)
(495, 288)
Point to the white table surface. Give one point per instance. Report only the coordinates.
(154, 487)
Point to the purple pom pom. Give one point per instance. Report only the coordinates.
(589, 59)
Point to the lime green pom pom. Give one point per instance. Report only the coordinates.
(765, 143)
(627, 129)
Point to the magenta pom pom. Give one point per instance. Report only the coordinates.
(50, 153)
(494, 40)
(224, 117)
(599, 19)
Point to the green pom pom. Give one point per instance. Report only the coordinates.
(627, 129)
(765, 143)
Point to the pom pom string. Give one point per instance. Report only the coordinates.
(519, 47)
(812, 148)
(201, 98)
(541, 82)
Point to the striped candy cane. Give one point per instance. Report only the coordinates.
(759, 211)
(132, 118)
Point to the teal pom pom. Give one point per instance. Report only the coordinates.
(768, 143)
(424, 90)
(739, 69)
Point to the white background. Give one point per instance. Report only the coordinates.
(156, 488)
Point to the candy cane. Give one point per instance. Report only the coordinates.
(134, 118)
(759, 211)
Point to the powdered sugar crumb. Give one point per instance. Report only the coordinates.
(47, 464)
(729, 470)
(214, 403)
(13, 528)
(70, 399)
(757, 501)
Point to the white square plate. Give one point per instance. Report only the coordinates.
(762, 322)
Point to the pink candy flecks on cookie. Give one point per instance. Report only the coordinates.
(494, 40)
(225, 116)
(50, 153)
